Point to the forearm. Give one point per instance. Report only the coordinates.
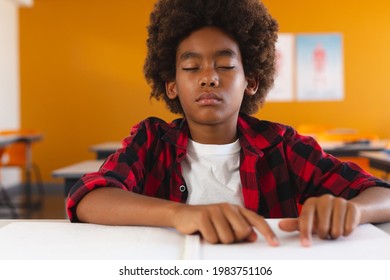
(374, 205)
(221, 222)
(112, 206)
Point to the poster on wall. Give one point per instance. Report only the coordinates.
(283, 86)
(320, 67)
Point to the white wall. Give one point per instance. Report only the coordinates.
(9, 73)
(9, 65)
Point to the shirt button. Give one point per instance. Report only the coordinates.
(182, 188)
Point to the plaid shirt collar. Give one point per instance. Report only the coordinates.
(254, 135)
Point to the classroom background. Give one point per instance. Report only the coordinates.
(78, 77)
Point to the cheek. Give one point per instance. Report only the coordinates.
(239, 86)
(185, 87)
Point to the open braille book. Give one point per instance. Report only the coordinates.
(66, 241)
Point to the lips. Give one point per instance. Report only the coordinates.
(208, 99)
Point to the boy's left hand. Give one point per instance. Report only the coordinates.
(327, 215)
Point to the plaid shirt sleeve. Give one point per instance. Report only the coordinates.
(316, 173)
(124, 169)
(280, 169)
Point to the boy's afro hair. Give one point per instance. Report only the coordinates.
(248, 21)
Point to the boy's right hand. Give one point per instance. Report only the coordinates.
(222, 223)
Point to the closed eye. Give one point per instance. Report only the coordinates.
(226, 67)
(190, 68)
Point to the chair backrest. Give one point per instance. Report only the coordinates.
(14, 155)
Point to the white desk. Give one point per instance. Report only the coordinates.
(7, 139)
(13, 138)
(59, 239)
(345, 149)
(103, 150)
(4, 222)
(75, 171)
(378, 160)
(384, 226)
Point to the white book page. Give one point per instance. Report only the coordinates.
(366, 242)
(62, 241)
(47, 240)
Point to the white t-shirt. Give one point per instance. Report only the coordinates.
(212, 173)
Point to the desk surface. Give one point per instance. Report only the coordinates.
(384, 226)
(11, 138)
(73, 172)
(378, 160)
(380, 156)
(7, 139)
(345, 148)
(106, 146)
(4, 222)
(103, 150)
(59, 239)
(78, 169)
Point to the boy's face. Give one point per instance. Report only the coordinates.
(210, 80)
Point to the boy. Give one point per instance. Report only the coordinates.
(218, 171)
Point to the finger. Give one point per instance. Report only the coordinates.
(324, 207)
(222, 226)
(207, 230)
(352, 219)
(242, 230)
(289, 225)
(252, 237)
(261, 225)
(306, 220)
(338, 217)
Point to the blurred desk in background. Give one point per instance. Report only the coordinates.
(352, 149)
(378, 160)
(7, 139)
(103, 150)
(16, 152)
(72, 173)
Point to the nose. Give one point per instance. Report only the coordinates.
(209, 79)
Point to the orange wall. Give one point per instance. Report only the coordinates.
(82, 81)
(366, 36)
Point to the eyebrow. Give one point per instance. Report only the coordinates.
(226, 52)
(188, 55)
(219, 53)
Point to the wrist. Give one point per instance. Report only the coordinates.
(173, 211)
(360, 211)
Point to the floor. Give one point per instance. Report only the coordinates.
(52, 206)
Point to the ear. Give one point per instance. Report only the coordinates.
(170, 89)
(252, 86)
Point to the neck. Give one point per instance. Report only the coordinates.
(213, 134)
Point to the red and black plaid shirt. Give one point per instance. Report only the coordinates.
(278, 167)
